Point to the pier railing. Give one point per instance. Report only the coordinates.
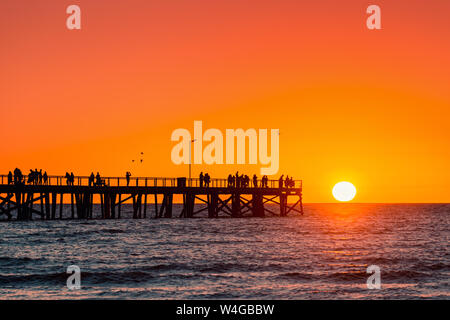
(53, 180)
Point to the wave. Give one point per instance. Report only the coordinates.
(10, 261)
(355, 276)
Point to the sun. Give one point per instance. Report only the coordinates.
(344, 191)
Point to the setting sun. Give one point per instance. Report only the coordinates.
(344, 191)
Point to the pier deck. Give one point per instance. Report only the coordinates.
(21, 201)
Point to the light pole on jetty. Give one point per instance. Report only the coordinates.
(190, 161)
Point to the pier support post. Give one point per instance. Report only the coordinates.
(213, 200)
(61, 205)
(47, 206)
(134, 207)
(120, 206)
(19, 205)
(168, 205)
(301, 203)
(189, 206)
(54, 201)
(102, 206)
(26, 206)
(72, 208)
(145, 204)
(113, 205)
(283, 203)
(139, 204)
(257, 205)
(107, 206)
(42, 203)
(236, 205)
(156, 205)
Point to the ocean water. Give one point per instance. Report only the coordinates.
(321, 255)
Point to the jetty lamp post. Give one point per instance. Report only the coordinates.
(190, 161)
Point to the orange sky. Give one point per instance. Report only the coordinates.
(370, 107)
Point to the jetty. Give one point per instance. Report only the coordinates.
(150, 197)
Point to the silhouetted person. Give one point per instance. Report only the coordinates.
(207, 180)
(98, 179)
(45, 177)
(67, 176)
(246, 181)
(10, 177)
(128, 175)
(255, 181)
(264, 181)
(18, 176)
(201, 177)
(91, 179)
(230, 180)
(31, 177)
(280, 181)
(72, 178)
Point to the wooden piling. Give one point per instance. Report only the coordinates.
(42, 202)
(145, 203)
(61, 206)
(102, 207)
(72, 205)
(47, 206)
(236, 205)
(113, 205)
(169, 203)
(156, 205)
(107, 205)
(54, 201)
(120, 206)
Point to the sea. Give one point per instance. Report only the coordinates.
(323, 254)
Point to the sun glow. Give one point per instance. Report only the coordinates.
(344, 191)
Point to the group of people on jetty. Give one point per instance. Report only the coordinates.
(36, 177)
(243, 181)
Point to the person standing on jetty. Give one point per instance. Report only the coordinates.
(264, 181)
(18, 176)
(98, 179)
(255, 181)
(91, 179)
(280, 181)
(45, 177)
(127, 176)
(230, 180)
(207, 179)
(10, 177)
(201, 177)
